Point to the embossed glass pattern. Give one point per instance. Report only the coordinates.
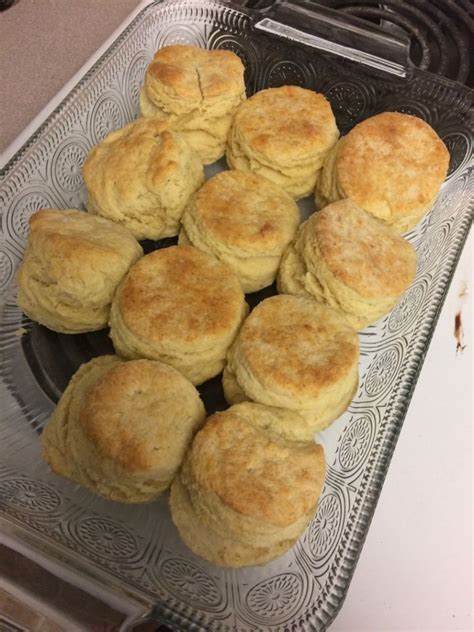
(136, 549)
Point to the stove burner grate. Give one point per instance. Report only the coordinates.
(441, 31)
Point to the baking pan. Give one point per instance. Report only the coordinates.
(131, 557)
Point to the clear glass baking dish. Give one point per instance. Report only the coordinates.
(131, 558)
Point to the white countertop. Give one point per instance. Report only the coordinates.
(415, 570)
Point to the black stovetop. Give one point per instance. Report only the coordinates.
(441, 31)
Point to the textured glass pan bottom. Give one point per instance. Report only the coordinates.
(137, 548)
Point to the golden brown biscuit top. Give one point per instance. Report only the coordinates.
(286, 125)
(143, 156)
(360, 251)
(139, 157)
(254, 473)
(297, 345)
(195, 73)
(75, 241)
(132, 412)
(244, 210)
(392, 158)
(180, 294)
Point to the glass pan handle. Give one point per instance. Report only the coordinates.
(338, 33)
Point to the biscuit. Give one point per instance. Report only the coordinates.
(250, 491)
(243, 220)
(180, 306)
(283, 134)
(196, 91)
(142, 176)
(348, 259)
(121, 428)
(295, 353)
(211, 546)
(391, 165)
(72, 265)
